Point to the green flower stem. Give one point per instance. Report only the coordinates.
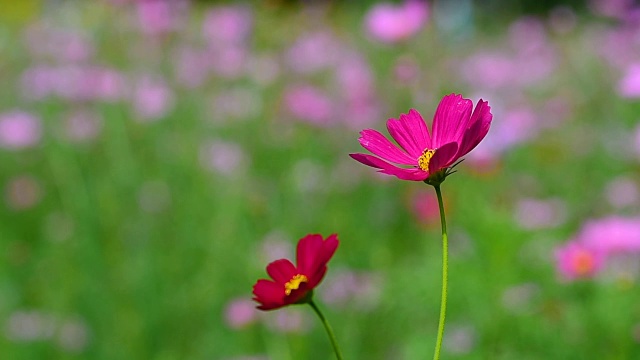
(445, 265)
(332, 337)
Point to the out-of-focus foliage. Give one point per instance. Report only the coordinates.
(157, 155)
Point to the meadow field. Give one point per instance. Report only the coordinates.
(157, 155)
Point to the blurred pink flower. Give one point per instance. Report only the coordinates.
(309, 104)
(29, 326)
(287, 320)
(82, 125)
(357, 290)
(263, 69)
(540, 214)
(574, 260)
(391, 23)
(224, 25)
(607, 241)
(425, 207)
(622, 192)
(529, 61)
(157, 17)
(516, 126)
(152, 99)
(489, 69)
(527, 35)
(611, 235)
(611, 8)
(19, 130)
(406, 70)
(275, 245)
(240, 313)
(73, 335)
(355, 78)
(63, 45)
(236, 104)
(313, 52)
(192, 67)
(37, 82)
(22, 192)
(225, 158)
(229, 62)
(460, 339)
(629, 85)
(73, 83)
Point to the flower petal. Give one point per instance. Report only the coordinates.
(444, 156)
(410, 132)
(480, 123)
(451, 119)
(406, 174)
(307, 252)
(324, 254)
(412, 174)
(281, 271)
(379, 145)
(269, 294)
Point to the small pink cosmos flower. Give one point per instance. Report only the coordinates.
(294, 284)
(574, 261)
(456, 130)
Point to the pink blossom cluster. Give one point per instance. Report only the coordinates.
(352, 99)
(597, 246)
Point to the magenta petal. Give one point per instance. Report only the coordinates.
(482, 121)
(410, 132)
(406, 174)
(451, 119)
(412, 174)
(371, 160)
(307, 252)
(281, 270)
(444, 156)
(317, 276)
(325, 254)
(269, 294)
(379, 145)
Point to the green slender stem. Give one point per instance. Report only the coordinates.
(445, 265)
(327, 327)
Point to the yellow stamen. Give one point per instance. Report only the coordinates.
(423, 160)
(294, 283)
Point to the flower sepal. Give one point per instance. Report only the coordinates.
(307, 298)
(437, 178)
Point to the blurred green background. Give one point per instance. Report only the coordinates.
(157, 155)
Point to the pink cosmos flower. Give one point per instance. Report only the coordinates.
(629, 85)
(575, 260)
(227, 24)
(390, 23)
(294, 284)
(152, 99)
(309, 104)
(613, 234)
(240, 313)
(457, 129)
(19, 130)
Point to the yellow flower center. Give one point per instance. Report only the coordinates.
(294, 283)
(583, 263)
(423, 160)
